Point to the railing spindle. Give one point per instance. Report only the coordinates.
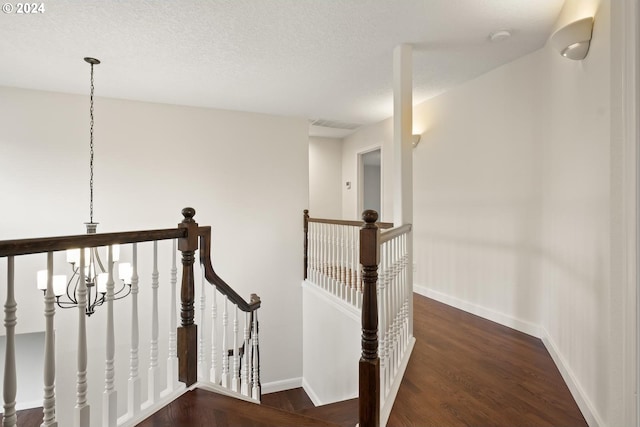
(172, 360)
(256, 388)
(235, 379)
(246, 360)
(49, 403)
(82, 409)
(153, 385)
(213, 374)
(225, 350)
(134, 399)
(9, 418)
(202, 364)
(109, 397)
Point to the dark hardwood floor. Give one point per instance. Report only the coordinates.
(467, 371)
(464, 371)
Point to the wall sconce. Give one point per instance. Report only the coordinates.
(415, 140)
(573, 40)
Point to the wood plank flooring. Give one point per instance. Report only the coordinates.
(464, 371)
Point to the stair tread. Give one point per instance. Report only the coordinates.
(201, 408)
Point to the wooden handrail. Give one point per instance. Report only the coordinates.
(382, 225)
(60, 243)
(387, 235)
(214, 279)
(307, 219)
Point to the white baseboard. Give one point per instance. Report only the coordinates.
(586, 407)
(486, 313)
(312, 394)
(275, 386)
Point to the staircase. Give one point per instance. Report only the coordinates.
(205, 408)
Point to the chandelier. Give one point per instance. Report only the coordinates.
(95, 274)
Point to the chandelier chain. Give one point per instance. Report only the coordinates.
(91, 151)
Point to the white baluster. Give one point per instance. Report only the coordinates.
(382, 316)
(225, 350)
(110, 396)
(255, 389)
(353, 266)
(134, 399)
(172, 360)
(325, 256)
(316, 250)
(9, 418)
(153, 384)
(82, 413)
(244, 379)
(202, 364)
(235, 380)
(49, 403)
(213, 374)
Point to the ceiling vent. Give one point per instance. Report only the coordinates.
(334, 124)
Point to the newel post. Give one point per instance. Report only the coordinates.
(369, 366)
(306, 241)
(188, 330)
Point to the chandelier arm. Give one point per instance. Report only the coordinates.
(72, 299)
(125, 295)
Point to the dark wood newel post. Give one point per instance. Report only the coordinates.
(306, 241)
(369, 366)
(188, 330)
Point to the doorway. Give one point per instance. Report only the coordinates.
(370, 182)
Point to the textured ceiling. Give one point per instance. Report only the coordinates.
(319, 59)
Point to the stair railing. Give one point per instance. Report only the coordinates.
(332, 256)
(183, 345)
(383, 291)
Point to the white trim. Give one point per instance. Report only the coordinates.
(215, 388)
(340, 304)
(625, 130)
(149, 409)
(311, 393)
(385, 411)
(586, 406)
(281, 385)
(495, 316)
(360, 183)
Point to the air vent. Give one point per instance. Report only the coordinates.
(334, 124)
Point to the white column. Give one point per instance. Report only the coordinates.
(10, 321)
(403, 152)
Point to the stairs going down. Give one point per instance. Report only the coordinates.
(201, 408)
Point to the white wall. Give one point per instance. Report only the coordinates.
(366, 139)
(514, 206)
(245, 174)
(325, 177)
(331, 346)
